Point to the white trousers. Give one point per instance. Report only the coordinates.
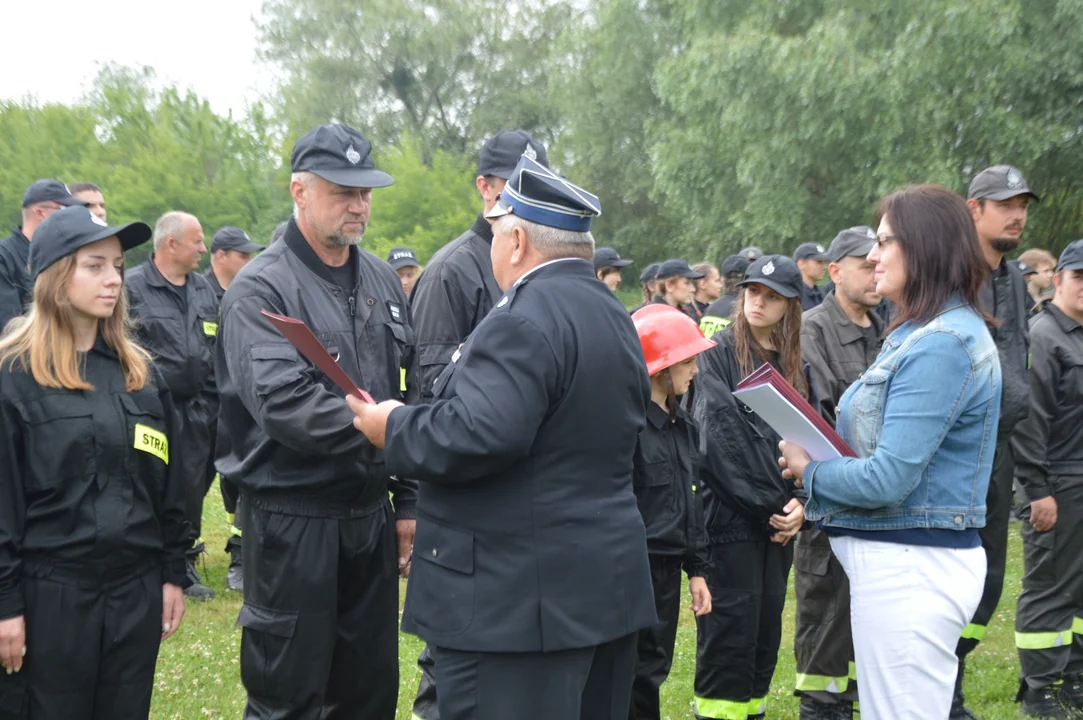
(908, 607)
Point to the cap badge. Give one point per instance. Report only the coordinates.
(769, 267)
(870, 234)
(530, 152)
(352, 155)
(98, 220)
(1015, 179)
(819, 248)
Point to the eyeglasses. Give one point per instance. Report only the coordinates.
(883, 240)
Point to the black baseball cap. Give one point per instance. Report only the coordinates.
(675, 267)
(49, 190)
(233, 238)
(1000, 182)
(67, 230)
(649, 273)
(777, 272)
(1070, 259)
(500, 153)
(810, 251)
(735, 265)
(338, 154)
(1023, 267)
(401, 257)
(608, 257)
(751, 253)
(857, 241)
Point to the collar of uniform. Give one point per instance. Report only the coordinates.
(101, 347)
(847, 330)
(298, 245)
(213, 280)
(483, 229)
(656, 415)
(155, 276)
(546, 267)
(18, 233)
(1066, 323)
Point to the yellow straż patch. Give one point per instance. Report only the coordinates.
(210, 328)
(152, 441)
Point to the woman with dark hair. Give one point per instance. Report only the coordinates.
(750, 511)
(903, 516)
(92, 527)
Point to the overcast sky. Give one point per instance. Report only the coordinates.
(52, 50)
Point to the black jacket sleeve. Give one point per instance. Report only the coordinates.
(501, 397)
(697, 560)
(828, 387)
(12, 506)
(1030, 439)
(443, 314)
(175, 527)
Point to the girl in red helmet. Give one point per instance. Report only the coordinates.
(664, 481)
(751, 513)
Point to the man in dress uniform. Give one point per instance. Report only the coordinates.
(451, 297)
(530, 575)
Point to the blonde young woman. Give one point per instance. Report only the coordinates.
(92, 522)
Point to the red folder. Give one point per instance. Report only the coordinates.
(302, 338)
(798, 413)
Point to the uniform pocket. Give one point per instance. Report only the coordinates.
(445, 584)
(146, 428)
(1039, 556)
(400, 350)
(817, 597)
(60, 439)
(13, 696)
(265, 651)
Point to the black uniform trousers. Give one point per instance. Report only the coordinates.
(90, 647)
(994, 539)
(425, 705)
(737, 643)
(194, 451)
(320, 613)
(823, 643)
(654, 647)
(592, 683)
(1049, 618)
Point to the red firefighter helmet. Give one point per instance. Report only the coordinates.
(668, 336)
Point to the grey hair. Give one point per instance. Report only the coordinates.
(305, 178)
(169, 225)
(552, 243)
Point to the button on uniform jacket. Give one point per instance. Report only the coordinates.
(289, 428)
(453, 294)
(528, 535)
(87, 481)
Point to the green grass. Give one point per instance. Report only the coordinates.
(199, 676)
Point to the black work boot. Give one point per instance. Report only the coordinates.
(813, 709)
(234, 576)
(1073, 690)
(959, 710)
(197, 590)
(1048, 703)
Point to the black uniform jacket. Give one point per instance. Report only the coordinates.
(15, 286)
(216, 286)
(528, 535)
(837, 350)
(1009, 292)
(180, 335)
(87, 484)
(453, 294)
(1049, 442)
(665, 477)
(742, 485)
(289, 428)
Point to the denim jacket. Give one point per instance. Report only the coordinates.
(923, 422)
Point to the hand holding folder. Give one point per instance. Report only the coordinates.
(302, 338)
(790, 415)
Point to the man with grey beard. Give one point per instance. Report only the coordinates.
(323, 545)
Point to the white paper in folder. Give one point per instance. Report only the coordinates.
(790, 423)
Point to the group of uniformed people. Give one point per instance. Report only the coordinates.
(542, 466)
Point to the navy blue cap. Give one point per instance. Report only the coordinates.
(401, 257)
(49, 190)
(536, 193)
(735, 265)
(777, 272)
(852, 242)
(608, 257)
(502, 151)
(338, 154)
(233, 238)
(675, 267)
(810, 251)
(751, 253)
(67, 230)
(649, 273)
(1070, 259)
